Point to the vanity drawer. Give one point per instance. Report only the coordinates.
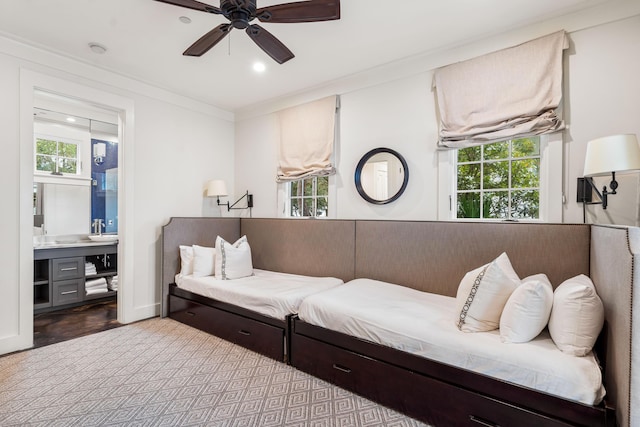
(68, 291)
(68, 268)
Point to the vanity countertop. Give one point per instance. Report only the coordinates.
(73, 241)
(56, 245)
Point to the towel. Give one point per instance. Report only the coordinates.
(100, 283)
(90, 269)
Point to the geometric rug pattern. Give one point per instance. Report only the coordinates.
(159, 372)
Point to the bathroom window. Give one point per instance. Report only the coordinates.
(499, 181)
(309, 197)
(57, 156)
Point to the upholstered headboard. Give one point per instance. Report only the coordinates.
(614, 271)
(190, 231)
(434, 256)
(302, 246)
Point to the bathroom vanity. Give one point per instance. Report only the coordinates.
(60, 276)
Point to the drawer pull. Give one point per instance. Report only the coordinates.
(190, 313)
(69, 292)
(243, 332)
(68, 268)
(342, 368)
(482, 422)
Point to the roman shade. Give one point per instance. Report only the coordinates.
(307, 134)
(511, 93)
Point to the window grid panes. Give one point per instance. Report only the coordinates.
(499, 181)
(309, 197)
(57, 157)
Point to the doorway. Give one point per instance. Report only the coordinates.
(32, 85)
(75, 197)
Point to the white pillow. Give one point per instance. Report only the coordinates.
(186, 260)
(482, 294)
(527, 310)
(203, 261)
(577, 316)
(233, 261)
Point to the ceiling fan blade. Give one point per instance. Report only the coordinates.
(208, 41)
(271, 45)
(193, 4)
(301, 11)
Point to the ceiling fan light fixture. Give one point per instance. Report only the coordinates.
(259, 67)
(240, 14)
(97, 48)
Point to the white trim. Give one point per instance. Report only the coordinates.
(124, 107)
(551, 183)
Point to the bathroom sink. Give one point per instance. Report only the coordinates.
(103, 237)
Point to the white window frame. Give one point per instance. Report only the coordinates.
(551, 183)
(58, 140)
(81, 177)
(284, 200)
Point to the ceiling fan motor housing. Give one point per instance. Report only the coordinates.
(239, 12)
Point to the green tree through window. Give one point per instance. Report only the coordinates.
(309, 197)
(56, 156)
(499, 180)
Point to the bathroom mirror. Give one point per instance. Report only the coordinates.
(381, 176)
(64, 205)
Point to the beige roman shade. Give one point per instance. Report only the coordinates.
(511, 93)
(307, 134)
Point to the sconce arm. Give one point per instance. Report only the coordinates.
(248, 196)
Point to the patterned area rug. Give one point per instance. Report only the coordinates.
(159, 372)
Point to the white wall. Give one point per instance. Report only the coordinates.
(603, 90)
(602, 94)
(175, 146)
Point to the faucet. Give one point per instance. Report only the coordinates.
(97, 226)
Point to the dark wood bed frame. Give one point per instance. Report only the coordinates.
(418, 255)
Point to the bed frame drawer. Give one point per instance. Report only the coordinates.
(260, 337)
(414, 394)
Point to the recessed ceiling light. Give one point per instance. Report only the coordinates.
(71, 119)
(259, 67)
(185, 19)
(97, 48)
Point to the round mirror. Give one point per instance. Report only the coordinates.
(381, 176)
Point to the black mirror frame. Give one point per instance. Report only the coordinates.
(358, 176)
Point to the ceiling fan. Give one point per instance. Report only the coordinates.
(242, 12)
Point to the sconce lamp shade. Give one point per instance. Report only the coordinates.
(216, 187)
(617, 153)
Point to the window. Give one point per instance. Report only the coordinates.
(57, 156)
(499, 181)
(309, 197)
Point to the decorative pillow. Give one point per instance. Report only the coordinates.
(527, 310)
(233, 261)
(577, 316)
(482, 294)
(186, 260)
(203, 261)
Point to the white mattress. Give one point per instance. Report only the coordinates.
(423, 324)
(266, 292)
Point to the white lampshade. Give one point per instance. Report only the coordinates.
(617, 153)
(216, 187)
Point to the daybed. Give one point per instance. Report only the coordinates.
(433, 257)
(254, 311)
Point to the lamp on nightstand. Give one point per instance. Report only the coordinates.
(217, 188)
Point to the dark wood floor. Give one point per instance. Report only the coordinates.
(62, 325)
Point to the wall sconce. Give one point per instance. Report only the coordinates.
(217, 188)
(99, 152)
(607, 155)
